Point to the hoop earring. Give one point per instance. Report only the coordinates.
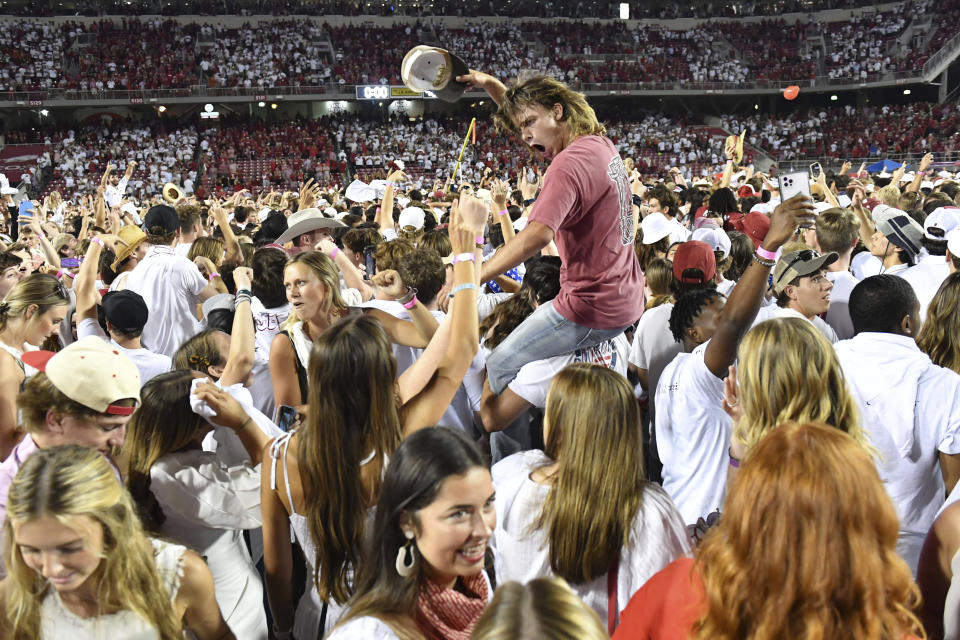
(406, 558)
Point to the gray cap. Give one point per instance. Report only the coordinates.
(899, 228)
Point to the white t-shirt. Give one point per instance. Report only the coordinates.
(653, 346)
(533, 380)
(521, 553)
(148, 363)
(183, 248)
(367, 627)
(774, 311)
(925, 278)
(693, 435)
(838, 316)
(266, 323)
(910, 408)
(863, 265)
(171, 286)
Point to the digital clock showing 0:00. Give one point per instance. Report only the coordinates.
(373, 92)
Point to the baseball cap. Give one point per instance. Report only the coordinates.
(655, 227)
(163, 216)
(91, 372)
(716, 238)
(225, 301)
(940, 222)
(125, 310)
(694, 263)
(953, 242)
(755, 225)
(746, 191)
(796, 264)
(434, 69)
(899, 228)
(411, 217)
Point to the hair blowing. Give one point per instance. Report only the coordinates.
(413, 479)
(589, 511)
(789, 372)
(353, 411)
(544, 91)
(66, 483)
(810, 494)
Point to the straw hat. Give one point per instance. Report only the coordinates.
(128, 239)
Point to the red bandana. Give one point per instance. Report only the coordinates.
(448, 614)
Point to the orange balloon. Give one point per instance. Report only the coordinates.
(791, 92)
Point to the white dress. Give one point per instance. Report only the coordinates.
(522, 553)
(207, 506)
(310, 610)
(57, 622)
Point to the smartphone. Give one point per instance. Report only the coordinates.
(26, 207)
(793, 183)
(369, 260)
(815, 171)
(286, 417)
(70, 263)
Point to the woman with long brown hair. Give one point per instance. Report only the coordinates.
(806, 548)
(582, 508)
(323, 477)
(939, 337)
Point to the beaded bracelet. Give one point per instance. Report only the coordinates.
(763, 263)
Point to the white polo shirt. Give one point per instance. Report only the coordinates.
(171, 286)
(910, 408)
(693, 435)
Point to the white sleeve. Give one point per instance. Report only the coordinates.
(534, 378)
(89, 327)
(209, 492)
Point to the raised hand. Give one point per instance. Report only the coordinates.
(796, 212)
(390, 283)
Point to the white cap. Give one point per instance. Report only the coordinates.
(946, 219)
(655, 227)
(762, 207)
(820, 207)
(907, 177)
(953, 242)
(716, 238)
(884, 174)
(411, 217)
(330, 212)
(926, 184)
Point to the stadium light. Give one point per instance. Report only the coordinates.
(261, 104)
(44, 112)
(273, 105)
(161, 108)
(906, 92)
(624, 11)
(208, 107)
(833, 98)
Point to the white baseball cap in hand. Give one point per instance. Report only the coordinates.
(434, 69)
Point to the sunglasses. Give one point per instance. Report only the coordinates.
(802, 256)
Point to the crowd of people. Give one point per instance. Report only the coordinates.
(610, 392)
(176, 54)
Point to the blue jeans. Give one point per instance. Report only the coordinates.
(544, 334)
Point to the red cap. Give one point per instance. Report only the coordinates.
(746, 191)
(755, 225)
(694, 255)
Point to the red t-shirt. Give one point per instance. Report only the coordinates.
(586, 200)
(668, 605)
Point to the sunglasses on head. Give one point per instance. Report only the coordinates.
(802, 256)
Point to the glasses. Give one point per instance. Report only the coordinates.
(802, 256)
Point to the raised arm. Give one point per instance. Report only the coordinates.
(233, 253)
(499, 190)
(412, 334)
(925, 163)
(745, 299)
(352, 276)
(427, 407)
(384, 216)
(494, 88)
(240, 358)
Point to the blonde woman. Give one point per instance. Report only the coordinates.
(81, 566)
(545, 608)
(582, 509)
(30, 313)
(787, 371)
(939, 337)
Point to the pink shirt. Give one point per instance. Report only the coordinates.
(586, 201)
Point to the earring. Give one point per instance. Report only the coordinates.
(406, 558)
